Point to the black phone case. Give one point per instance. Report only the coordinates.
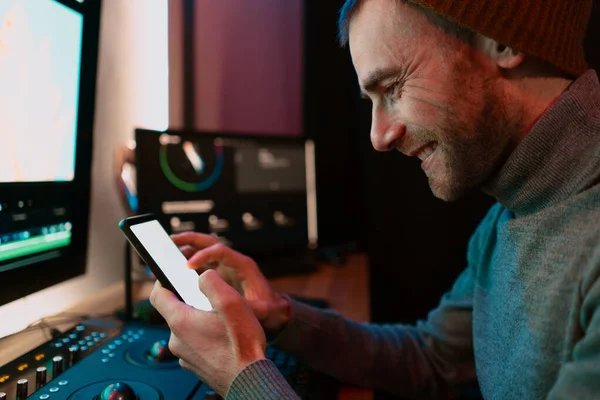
(125, 225)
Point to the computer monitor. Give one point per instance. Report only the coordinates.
(256, 193)
(48, 56)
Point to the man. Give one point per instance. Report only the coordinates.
(498, 100)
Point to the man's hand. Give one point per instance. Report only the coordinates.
(204, 252)
(214, 345)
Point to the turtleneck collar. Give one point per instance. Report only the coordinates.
(559, 157)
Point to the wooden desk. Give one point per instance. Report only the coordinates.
(346, 288)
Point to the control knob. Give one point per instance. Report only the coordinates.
(40, 377)
(22, 387)
(57, 366)
(117, 391)
(159, 352)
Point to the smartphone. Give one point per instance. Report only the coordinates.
(165, 260)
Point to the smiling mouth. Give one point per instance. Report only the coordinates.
(426, 151)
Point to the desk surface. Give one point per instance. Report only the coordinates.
(345, 288)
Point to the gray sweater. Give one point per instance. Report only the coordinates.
(522, 320)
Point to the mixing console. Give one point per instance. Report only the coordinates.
(100, 360)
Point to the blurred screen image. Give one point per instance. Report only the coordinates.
(40, 62)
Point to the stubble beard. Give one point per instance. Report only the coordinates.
(473, 152)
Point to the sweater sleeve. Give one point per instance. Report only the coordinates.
(431, 359)
(434, 359)
(578, 376)
(260, 381)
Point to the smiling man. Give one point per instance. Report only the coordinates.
(458, 100)
(489, 94)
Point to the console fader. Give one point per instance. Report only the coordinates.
(101, 361)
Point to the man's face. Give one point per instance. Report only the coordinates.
(434, 96)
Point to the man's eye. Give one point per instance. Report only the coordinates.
(392, 89)
(392, 92)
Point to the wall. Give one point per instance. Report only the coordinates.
(132, 90)
(247, 66)
(592, 40)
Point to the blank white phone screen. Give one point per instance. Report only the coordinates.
(172, 263)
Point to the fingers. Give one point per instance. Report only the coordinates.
(224, 299)
(164, 300)
(170, 307)
(194, 239)
(218, 253)
(188, 251)
(178, 315)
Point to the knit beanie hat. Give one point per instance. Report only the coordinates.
(551, 30)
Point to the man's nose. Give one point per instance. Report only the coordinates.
(385, 132)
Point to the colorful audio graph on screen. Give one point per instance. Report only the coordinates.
(200, 186)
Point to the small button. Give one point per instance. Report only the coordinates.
(124, 337)
(82, 342)
(130, 333)
(63, 383)
(118, 342)
(140, 331)
(44, 396)
(53, 389)
(136, 336)
(80, 328)
(83, 348)
(105, 360)
(97, 339)
(112, 346)
(88, 338)
(91, 343)
(58, 345)
(106, 351)
(94, 334)
(130, 340)
(73, 336)
(102, 334)
(65, 340)
(111, 355)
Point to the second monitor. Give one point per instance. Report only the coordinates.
(257, 193)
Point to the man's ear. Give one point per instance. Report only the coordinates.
(505, 57)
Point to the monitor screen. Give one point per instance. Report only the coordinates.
(46, 120)
(40, 61)
(255, 192)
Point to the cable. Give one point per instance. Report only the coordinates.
(51, 325)
(30, 329)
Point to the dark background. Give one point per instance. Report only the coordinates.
(416, 244)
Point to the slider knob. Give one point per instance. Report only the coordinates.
(57, 366)
(40, 377)
(117, 391)
(22, 389)
(73, 354)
